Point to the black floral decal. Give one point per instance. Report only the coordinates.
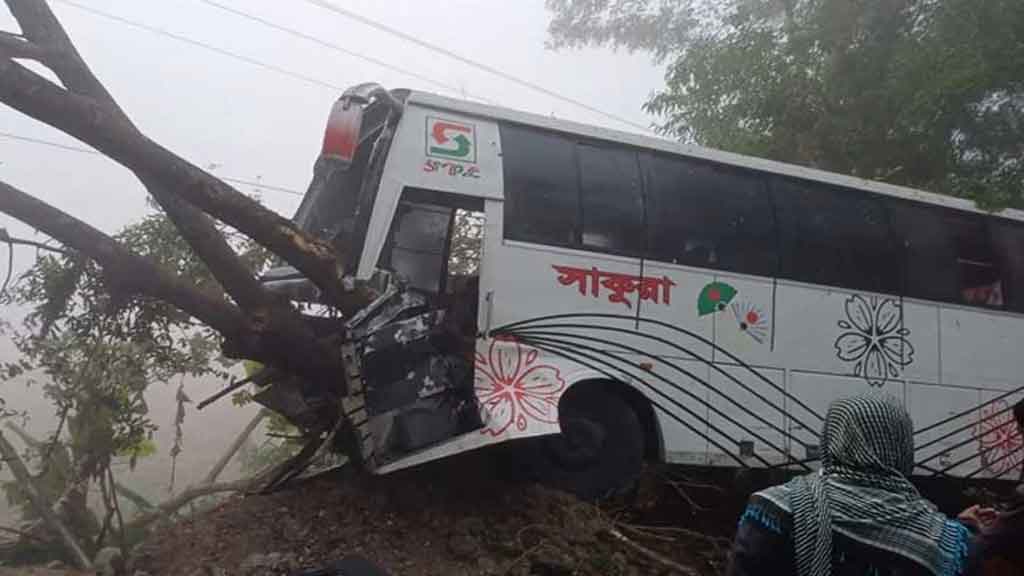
(873, 339)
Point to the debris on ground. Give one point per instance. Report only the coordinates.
(465, 515)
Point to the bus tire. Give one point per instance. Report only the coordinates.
(600, 451)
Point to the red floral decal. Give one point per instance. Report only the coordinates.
(513, 388)
(999, 439)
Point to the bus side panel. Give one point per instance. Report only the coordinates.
(748, 395)
(937, 448)
(744, 327)
(681, 409)
(522, 283)
(530, 282)
(920, 346)
(999, 443)
(696, 331)
(449, 152)
(818, 390)
(836, 332)
(759, 408)
(684, 365)
(981, 349)
(433, 150)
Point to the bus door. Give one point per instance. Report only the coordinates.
(417, 362)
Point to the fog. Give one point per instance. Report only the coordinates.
(261, 120)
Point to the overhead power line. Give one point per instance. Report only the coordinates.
(376, 61)
(84, 150)
(324, 84)
(204, 45)
(470, 62)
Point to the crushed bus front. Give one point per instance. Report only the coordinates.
(409, 352)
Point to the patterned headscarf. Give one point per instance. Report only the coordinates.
(862, 492)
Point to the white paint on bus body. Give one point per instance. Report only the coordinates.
(801, 339)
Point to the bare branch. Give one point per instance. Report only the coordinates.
(129, 268)
(24, 479)
(276, 337)
(172, 505)
(222, 463)
(107, 130)
(14, 46)
(8, 239)
(655, 557)
(40, 24)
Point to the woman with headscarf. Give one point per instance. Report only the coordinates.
(858, 514)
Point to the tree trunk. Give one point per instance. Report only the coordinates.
(106, 130)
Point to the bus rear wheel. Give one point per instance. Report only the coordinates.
(600, 450)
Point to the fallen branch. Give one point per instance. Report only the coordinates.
(235, 446)
(686, 497)
(127, 493)
(651, 555)
(39, 505)
(24, 534)
(169, 507)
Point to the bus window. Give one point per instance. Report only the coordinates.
(419, 238)
(835, 237)
(1008, 238)
(929, 258)
(979, 271)
(613, 208)
(703, 215)
(541, 190)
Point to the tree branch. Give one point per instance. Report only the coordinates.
(107, 130)
(14, 46)
(129, 268)
(211, 477)
(24, 479)
(39, 25)
(276, 337)
(38, 22)
(168, 507)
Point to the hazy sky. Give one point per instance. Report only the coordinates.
(259, 124)
(254, 123)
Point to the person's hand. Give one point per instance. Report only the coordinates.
(978, 517)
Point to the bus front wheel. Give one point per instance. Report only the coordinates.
(600, 450)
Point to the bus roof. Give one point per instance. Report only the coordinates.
(430, 100)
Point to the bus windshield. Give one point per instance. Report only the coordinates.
(355, 143)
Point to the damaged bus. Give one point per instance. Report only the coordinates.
(620, 298)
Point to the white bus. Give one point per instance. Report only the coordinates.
(634, 298)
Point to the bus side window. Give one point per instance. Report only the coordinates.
(612, 202)
(541, 189)
(1008, 238)
(836, 237)
(703, 215)
(980, 272)
(419, 238)
(928, 253)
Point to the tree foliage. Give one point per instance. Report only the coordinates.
(925, 93)
(95, 350)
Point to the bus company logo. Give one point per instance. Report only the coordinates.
(451, 140)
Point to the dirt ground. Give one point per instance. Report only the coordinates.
(32, 571)
(462, 516)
